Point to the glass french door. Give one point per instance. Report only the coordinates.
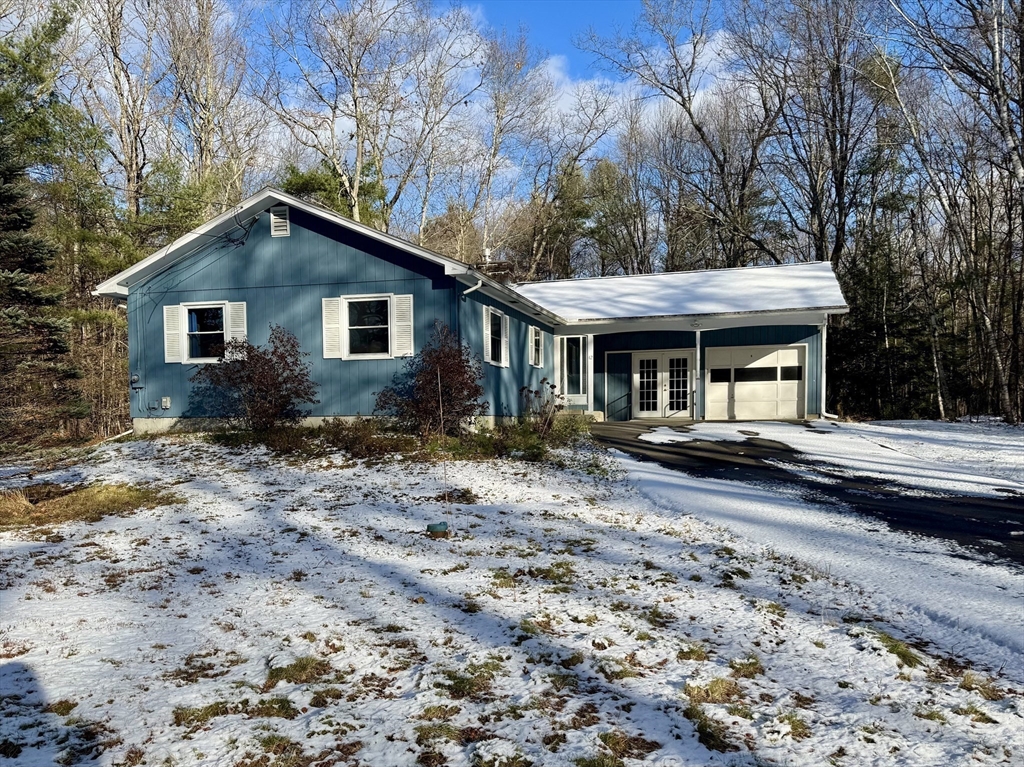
(662, 383)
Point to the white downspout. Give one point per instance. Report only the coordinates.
(698, 393)
(479, 284)
(824, 342)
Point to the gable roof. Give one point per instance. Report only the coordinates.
(715, 292)
(241, 214)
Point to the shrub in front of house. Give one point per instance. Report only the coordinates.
(258, 387)
(438, 391)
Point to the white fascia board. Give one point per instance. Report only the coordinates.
(117, 286)
(510, 298)
(694, 322)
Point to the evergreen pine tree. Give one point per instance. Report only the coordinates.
(33, 382)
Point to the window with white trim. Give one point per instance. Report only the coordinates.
(495, 337)
(205, 333)
(573, 374)
(197, 332)
(536, 347)
(368, 327)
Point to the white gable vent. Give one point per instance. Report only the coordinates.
(279, 221)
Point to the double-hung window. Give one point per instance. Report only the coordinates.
(573, 373)
(495, 337)
(369, 327)
(536, 347)
(205, 332)
(196, 332)
(372, 327)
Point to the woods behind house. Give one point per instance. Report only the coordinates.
(884, 137)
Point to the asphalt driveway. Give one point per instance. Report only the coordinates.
(981, 523)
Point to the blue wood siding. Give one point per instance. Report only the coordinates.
(502, 385)
(282, 281)
(617, 374)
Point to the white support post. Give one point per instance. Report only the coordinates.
(698, 389)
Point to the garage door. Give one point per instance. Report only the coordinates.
(755, 383)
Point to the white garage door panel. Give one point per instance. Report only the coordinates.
(756, 411)
(789, 356)
(757, 392)
(755, 400)
(718, 357)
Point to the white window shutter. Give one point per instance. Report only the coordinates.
(487, 335)
(401, 332)
(540, 347)
(504, 340)
(237, 330)
(279, 223)
(332, 327)
(173, 340)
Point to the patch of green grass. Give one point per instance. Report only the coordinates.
(712, 734)
(975, 713)
(560, 682)
(931, 714)
(694, 651)
(274, 707)
(798, 728)
(62, 707)
(746, 668)
(625, 746)
(473, 683)
(657, 617)
(439, 712)
(600, 760)
(515, 760)
(503, 579)
(322, 698)
(740, 710)
(561, 571)
(427, 734)
(904, 654)
(193, 717)
(613, 669)
(718, 690)
(300, 671)
(985, 686)
(85, 504)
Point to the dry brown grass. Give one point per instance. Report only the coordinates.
(718, 690)
(83, 504)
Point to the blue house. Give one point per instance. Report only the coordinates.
(740, 344)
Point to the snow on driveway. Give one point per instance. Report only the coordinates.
(925, 586)
(295, 608)
(944, 458)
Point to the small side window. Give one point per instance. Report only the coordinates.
(536, 347)
(205, 336)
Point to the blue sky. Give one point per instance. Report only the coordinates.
(552, 24)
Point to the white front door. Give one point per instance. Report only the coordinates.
(662, 383)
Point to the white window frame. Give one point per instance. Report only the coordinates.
(346, 329)
(489, 312)
(223, 306)
(582, 397)
(536, 350)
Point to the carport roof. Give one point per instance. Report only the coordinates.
(788, 288)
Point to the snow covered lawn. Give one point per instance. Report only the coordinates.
(295, 613)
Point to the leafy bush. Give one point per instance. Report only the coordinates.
(260, 386)
(439, 390)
